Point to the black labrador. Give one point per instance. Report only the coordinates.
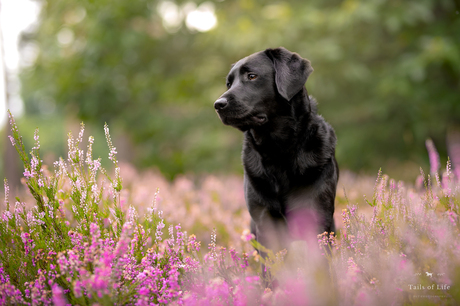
(289, 151)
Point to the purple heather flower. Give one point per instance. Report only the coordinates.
(433, 156)
(77, 288)
(28, 243)
(58, 296)
(4, 278)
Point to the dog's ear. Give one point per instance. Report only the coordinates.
(291, 71)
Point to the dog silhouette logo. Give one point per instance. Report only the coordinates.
(429, 274)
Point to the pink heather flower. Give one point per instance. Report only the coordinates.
(419, 181)
(453, 147)
(94, 190)
(78, 183)
(40, 183)
(28, 243)
(353, 209)
(96, 165)
(346, 217)
(77, 288)
(452, 217)
(247, 235)
(433, 155)
(30, 218)
(212, 246)
(106, 130)
(24, 237)
(7, 216)
(7, 190)
(80, 135)
(113, 150)
(58, 296)
(71, 154)
(34, 163)
(112, 154)
(18, 208)
(192, 244)
(12, 140)
(4, 278)
(179, 235)
(37, 142)
(160, 226)
(27, 174)
(252, 279)
(171, 233)
(245, 263)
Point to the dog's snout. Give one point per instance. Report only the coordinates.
(220, 103)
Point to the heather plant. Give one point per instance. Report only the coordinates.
(83, 238)
(81, 244)
(407, 250)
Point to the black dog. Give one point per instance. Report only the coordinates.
(289, 151)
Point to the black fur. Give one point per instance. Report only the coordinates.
(288, 152)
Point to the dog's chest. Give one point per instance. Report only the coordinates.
(277, 178)
(275, 174)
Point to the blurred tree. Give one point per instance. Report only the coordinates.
(387, 73)
(10, 165)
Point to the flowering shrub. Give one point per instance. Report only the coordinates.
(83, 239)
(80, 243)
(406, 251)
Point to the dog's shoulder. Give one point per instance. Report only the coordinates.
(316, 129)
(251, 159)
(323, 132)
(317, 142)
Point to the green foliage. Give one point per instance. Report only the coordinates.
(386, 74)
(80, 172)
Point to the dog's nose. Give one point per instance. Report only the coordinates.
(220, 103)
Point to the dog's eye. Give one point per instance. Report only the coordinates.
(229, 85)
(252, 76)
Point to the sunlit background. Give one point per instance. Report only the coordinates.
(387, 76)
(15, 16)
(18, 16)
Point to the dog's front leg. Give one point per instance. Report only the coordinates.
(270, 231)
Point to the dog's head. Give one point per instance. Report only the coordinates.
(258, 85)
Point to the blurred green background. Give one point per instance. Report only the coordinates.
(387, 76)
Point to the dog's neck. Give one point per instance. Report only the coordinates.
(280, 131)
(302, 105)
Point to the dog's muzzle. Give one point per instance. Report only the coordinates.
(220, 104)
